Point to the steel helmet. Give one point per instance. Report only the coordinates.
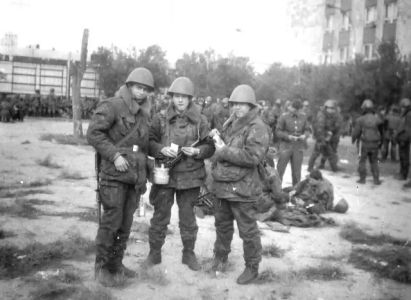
(329, 103)
(142, 76)
(341, 206)
(367, 104)
(405, 102)
(243, 94)
(182, 85)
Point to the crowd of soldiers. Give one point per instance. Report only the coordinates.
(15, 107)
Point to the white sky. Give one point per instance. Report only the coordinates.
(177, 26)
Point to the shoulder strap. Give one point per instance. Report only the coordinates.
(119, 143)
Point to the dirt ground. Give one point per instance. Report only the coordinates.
(376, 209)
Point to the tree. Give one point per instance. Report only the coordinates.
(154, 59)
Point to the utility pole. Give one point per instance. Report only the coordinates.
(77, 71)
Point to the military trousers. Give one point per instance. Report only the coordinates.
(162, 198)
(388, 141)
(119, 201)
(244, 214)
(404, 153)
(295, 156)
(328, 151)
(372, 154)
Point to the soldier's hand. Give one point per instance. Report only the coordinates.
(169, 152)
(121, 164)
(190, 151)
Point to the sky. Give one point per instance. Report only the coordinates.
(258, 29)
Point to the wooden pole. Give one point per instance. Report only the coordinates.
(77, 74)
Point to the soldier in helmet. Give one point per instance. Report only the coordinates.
(240, 148)
(182, 125)
(327, 129)
(368, 132)
(292, 130)
(392, 122)
(119, 133)
(404, 139)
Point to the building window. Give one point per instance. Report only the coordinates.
(391, 12)
(328, 57)
(343, 54)
(371, 14)
(368, 51)
(330, 23)
(346, 23)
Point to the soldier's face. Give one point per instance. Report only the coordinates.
(330, 110)
(180, 102)
(139, 92)
(240, 109)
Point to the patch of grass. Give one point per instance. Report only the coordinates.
(72, 175)
(65, 284)
(22, 193)
(6, 234)
(406, 199)
(21, 209)
(324, 272)
(389, 262)
(15, 262)
(272, 250)
(48, 163)
(39, 202)
(90, 215)
(25, 142)
(351, 232)
(64, 139)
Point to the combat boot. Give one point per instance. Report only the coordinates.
(377, 181)
(153, 258)
(219, 263)
(108, 279)
(190, 259)
(361, 181)
(407, 185)
(249, 274)
(122, 269)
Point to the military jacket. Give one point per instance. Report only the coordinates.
(113, 119)
(235, 168)
(404, 130)
(294, 124)
(183, 130)
(368, 129)
(326, 123)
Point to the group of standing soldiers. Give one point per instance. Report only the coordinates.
(235, 134)
(123, 137)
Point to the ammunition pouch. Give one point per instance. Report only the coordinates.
(136, 173)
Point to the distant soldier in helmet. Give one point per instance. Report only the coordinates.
(182, 125)
(221, 115)
(392, 121)
(293, 131)
(240, 148)
(404, 139)
(119, 133)
(368, 132)
(327, 130)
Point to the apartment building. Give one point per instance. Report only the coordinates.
(338, 30)
(354, 27)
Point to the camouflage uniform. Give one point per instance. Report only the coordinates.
(114, 118)
(185, 178)
(404, 140)
(392, 123)
(318, 194)
(327, 131)
(368, 132)
(294, 124)
(237, 185)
